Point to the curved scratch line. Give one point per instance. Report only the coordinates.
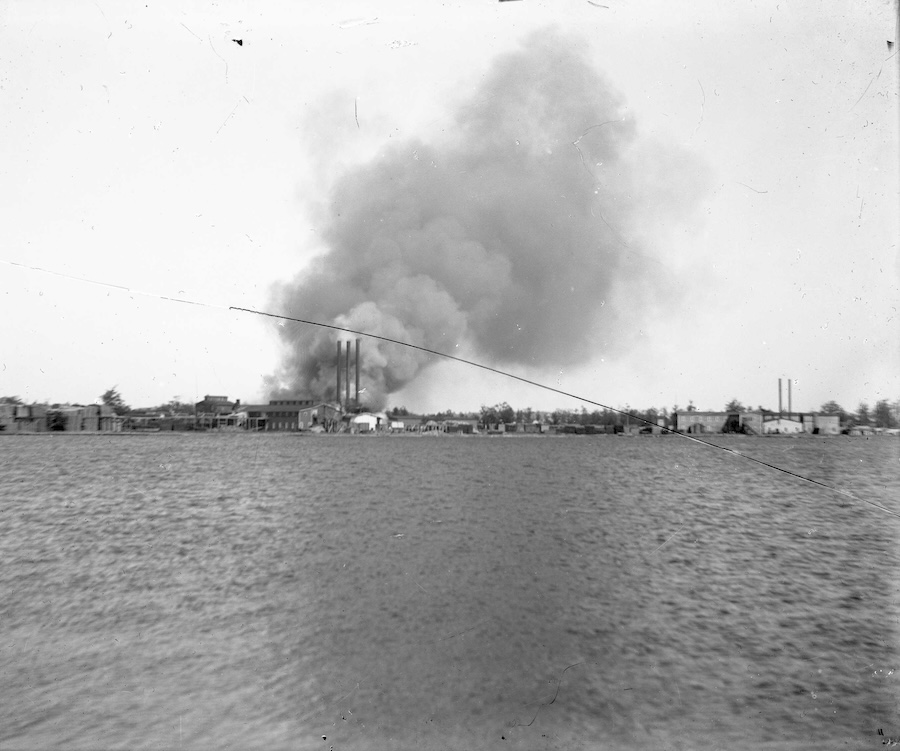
(702, 103)
(218, 56)
(752, 188)
(575, 143)
(555, 695)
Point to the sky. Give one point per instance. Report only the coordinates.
(638, 203)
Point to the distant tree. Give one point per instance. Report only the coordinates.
(884, 417)
(56, 420)
(498, 413)
(734, 406)
(691, 407)
(112, 398)
(832, 408)
(10, 400)
(488, 415)
(525, 415)
(650, 415)
(862, 414)
(400, 412)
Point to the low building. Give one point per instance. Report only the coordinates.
(23, 418)
(756, 422)
(214, 405)
(783, 426)
(465, 427)
(367, 422)
(827, 424)
(700, 422)
(91, 418)
(321, 415)
(410, 423)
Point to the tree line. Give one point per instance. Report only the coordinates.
(884, 414)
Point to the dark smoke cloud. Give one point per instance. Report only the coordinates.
(515, 237)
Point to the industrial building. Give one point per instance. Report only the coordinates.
(289, 415)
(757, 423)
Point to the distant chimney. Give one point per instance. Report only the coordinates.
(357, 373)
(779, 397)
(338, 368)
(347, 384)
(790, 409)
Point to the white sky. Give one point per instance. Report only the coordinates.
(141, 147)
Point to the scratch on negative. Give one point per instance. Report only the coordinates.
(191, 32)
(558, 683)
(669, 538)
(702, 104)
(750, 188)
(218, 56)
(228, 118)
(460, 633)
(873, 80)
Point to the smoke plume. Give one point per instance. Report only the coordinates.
(515, 237)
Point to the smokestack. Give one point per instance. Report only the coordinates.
(790, 409)
(779, 397)
(357, 373)
(338, 368)
(347, 385)
(476, 195)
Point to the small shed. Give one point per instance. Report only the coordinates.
(368, 422)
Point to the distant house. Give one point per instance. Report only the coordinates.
(410, 423)
(466, 427)
(827, 424)
(291, 415)
(700, 422)
(91, 418)
(214, 405)
(321, 415)
(367, 422)
(7, 418)
(23, 418)
(782, 426)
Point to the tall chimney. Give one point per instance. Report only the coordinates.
(357, 373)
(790, 409)
(347, 384)
(779, 397)
(338, 397)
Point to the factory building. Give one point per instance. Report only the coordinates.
(290, 415)
(757, 423)
(700, 422)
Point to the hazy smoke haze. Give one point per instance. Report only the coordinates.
(517, 236)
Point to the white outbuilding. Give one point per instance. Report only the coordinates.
(367, 422)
